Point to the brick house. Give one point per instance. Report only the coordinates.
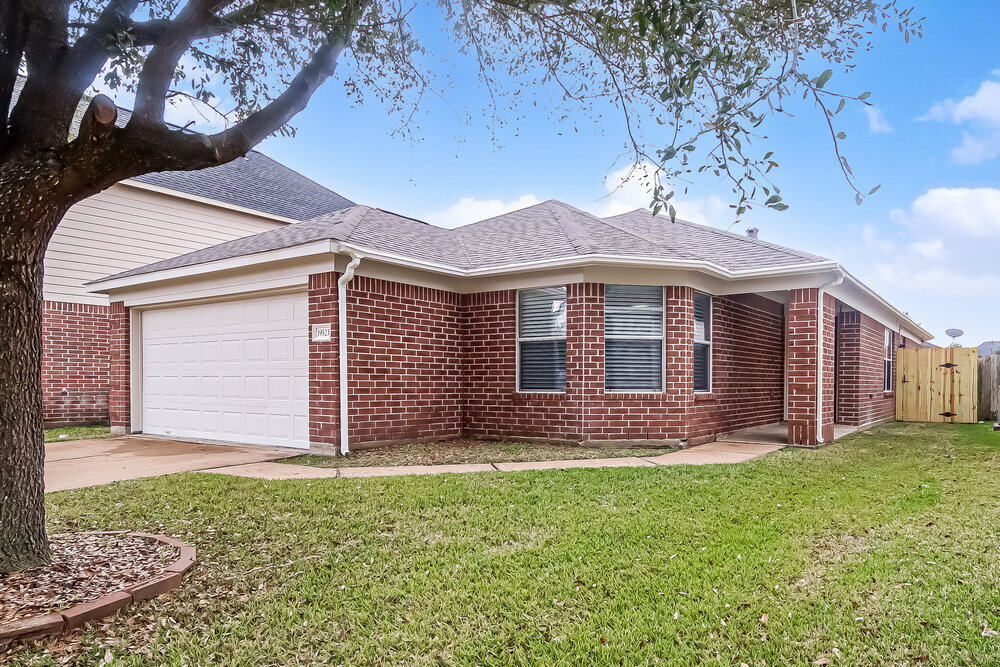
(143, 220)
(361, 327)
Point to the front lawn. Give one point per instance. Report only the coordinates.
(883, 549)
(465, 451)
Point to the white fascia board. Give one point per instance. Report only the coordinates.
(589, 260)
(207, 201)
(878, 308)
(304, 250)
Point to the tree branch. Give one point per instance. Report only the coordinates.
(158, 70)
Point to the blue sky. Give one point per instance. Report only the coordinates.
(927, 240)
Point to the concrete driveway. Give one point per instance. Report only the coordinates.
(79, 463)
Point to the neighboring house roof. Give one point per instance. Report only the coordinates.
(545, 231)
(255, 182)
(989, 347)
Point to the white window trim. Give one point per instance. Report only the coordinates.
(711, 346)
(517, 344)
(887, 363)
(663, 349)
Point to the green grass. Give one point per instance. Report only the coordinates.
(465, 451)
(883, 549)
(77, 433)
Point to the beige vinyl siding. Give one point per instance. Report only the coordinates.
(125, 227)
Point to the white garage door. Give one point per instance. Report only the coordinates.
(236, 371)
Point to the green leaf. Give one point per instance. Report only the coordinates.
(842, 135)
(780, 207)
(823, 78)
(864, 96)
(874, 190)
(858, 199)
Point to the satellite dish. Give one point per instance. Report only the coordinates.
(954, 333)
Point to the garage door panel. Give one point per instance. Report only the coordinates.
(235, 371)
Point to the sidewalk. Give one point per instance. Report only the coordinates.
(713, 452)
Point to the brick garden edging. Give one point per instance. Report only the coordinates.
(79, 614)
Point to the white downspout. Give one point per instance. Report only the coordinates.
(342, 365)
(820, 322)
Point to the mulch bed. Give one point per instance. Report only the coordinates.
(85, 566)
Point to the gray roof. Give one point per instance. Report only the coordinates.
(544, 231)
(256, 181)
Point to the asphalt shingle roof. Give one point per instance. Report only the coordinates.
(544, 231)
(256, 182)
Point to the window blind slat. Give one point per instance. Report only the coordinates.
(542, 315)
(543, 365)
(633, 362)
(702, 350)
(542, 312)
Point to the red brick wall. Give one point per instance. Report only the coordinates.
(405, 361)
(862, 399)
(492, 405)
(747, 371)
(324, 401)
(801, 359)
(119, 352)
(75, 364)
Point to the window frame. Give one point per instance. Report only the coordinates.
(662, 338)
(888, 364)
(519, 339)
(710, 329)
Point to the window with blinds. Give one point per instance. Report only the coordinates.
(702, 342)
(633, 338)
(887, 360)
(541, 339)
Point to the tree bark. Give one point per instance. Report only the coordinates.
(23, 542)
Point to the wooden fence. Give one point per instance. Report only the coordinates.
(989, 388)
(937, 385)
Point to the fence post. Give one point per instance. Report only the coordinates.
(989, 388)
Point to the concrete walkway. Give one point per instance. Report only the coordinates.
(74, 464)
(713, 452)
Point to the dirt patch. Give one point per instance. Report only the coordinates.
(84, 567)
(466, 451)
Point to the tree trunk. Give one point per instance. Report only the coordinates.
(23, 542)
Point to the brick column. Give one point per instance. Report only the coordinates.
(324, 405)
(679, 382)
(120, 370)
(802, 364)
(585, 353)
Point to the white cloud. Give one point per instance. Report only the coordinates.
(938, 258)
(470, 209)
(967, 211)
(983, 106)
(981, 112)
(976, 148)
(877, 123)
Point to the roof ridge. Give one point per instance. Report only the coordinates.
(577, 235)
(645, 238)
(733, 235)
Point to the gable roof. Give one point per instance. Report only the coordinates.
(546, 231)
(255, 182)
